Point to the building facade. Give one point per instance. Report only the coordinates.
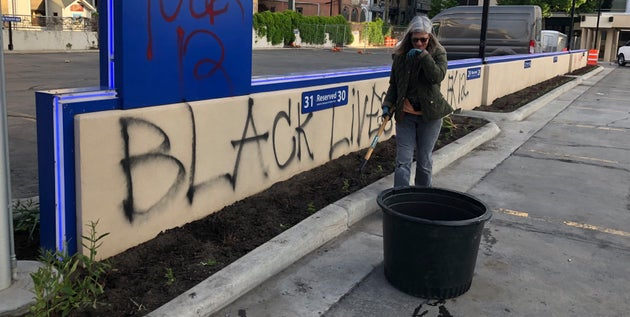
(51, 14)
(396, 12)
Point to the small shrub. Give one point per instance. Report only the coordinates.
(170, 276)
(311, 207)
(346, 185)
(66, 283)
(278, 28)
(26, 217)
(210, 263)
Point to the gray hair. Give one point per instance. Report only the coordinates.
(420, 24)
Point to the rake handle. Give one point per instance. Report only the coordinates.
(375, 140)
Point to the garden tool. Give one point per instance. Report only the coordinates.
(374, 142)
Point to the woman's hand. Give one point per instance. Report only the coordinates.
(413, 52)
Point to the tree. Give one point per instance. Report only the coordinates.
(438, 5)
(549, 6)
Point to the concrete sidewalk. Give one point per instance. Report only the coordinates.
(536, 256)
(556, 174)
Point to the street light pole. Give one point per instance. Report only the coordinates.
(569, 40)
(6, 233)
(599, 13)
(484, 29)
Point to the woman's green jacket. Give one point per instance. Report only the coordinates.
(426, 70)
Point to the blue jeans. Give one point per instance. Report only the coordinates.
(414, 134)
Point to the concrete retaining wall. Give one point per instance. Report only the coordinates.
(50, 40)
(142, 171)
(189, 160)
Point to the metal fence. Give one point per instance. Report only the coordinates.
(48, 23)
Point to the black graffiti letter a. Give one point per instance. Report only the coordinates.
(245, 139)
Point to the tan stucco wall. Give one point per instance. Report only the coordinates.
(578, 60)
(508, 77)
(135, 171)
(256, 141)
(621, 21)
(462, 92)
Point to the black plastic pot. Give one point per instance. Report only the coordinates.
(430, 239)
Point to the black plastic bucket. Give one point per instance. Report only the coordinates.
(430, 240)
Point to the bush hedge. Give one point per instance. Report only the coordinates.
(278, 28)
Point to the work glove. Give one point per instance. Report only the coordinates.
(386, 112)
(413, 52)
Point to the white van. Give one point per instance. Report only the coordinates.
(512, 29)
(553, 41)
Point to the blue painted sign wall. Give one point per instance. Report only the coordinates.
(473, 73)
(324, 98)
(176, 51)
(8, 18)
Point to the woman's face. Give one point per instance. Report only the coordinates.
(420, 40)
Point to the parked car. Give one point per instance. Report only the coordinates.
(553, 41)
(623, 53)
(512, 29)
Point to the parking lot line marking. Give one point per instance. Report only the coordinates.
(594, 159)
(588, 126)
(514, 212)
(573, 224)
(598, 109)
(596, 228)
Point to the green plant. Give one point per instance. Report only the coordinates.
(68, 45)
(95, 270)
(448, 125)
(65, 283)
(26, 216)
(278, 28)
(438, 6)
(311, 207)
(170, 277)
(374, 32)
(210, 263)
(52, 286)
(346, 185)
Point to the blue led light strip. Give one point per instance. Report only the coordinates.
(60, 210)
(110, 43)
(266, 80)
(59, 164)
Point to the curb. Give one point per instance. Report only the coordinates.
(249, 271)
(17, 299)
(528, 109)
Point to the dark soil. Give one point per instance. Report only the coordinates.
(137, 283)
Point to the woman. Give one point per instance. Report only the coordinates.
(414, 99)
